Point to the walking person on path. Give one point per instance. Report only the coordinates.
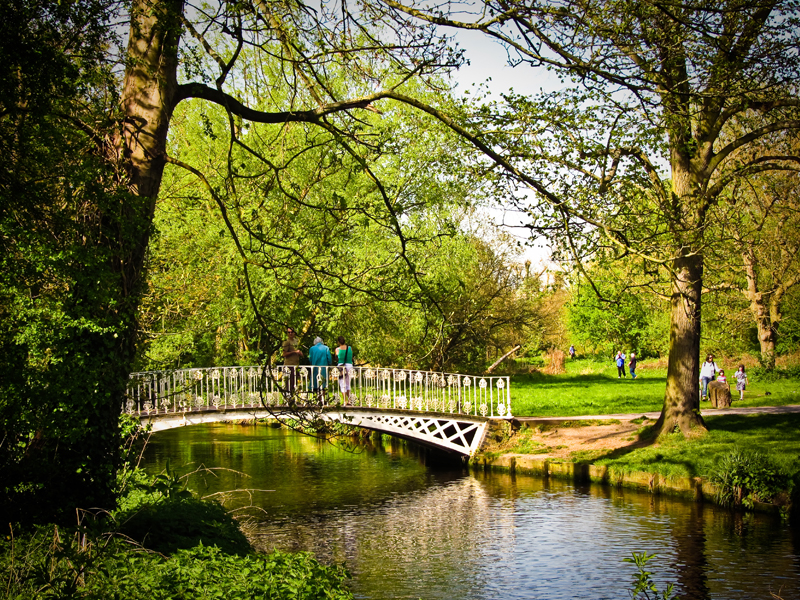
(344, 359)
(319, 355)
(708, 371)
(572, 352)
(632, 365)
(741, 381)
(291, 359)
(620, 360)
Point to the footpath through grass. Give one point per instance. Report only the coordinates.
(590, 387)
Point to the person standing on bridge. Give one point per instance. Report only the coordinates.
(291, 360)
(320, 357)
(344, 360)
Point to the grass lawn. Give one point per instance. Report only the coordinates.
(777, 436)
(592, 388)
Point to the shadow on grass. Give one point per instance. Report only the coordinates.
(573, 381)
(564, 379)
(646, 439)
(757, 424)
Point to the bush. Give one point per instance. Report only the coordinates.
(54, 562)
(162, 543)
(555, 363)
(775, 374)
(744, 477)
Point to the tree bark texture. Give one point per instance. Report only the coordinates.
(148, 98)
(682, 396)
(719, 394)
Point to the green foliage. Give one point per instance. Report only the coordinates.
(621, 318)
(317, 247)
(746, 476)
(66, 311)
(161, 514)
(767, 375)
(789, 330)
(644, 588)
(162, 543)
(94, 565)
(171, 523)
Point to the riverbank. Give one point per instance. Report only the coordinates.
(616, 449)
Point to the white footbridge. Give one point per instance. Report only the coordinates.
(445, 410)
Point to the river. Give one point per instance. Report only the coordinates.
(408, 525)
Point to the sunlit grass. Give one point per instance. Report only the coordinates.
(777, 436)
(591, 387)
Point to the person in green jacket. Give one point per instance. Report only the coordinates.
(344, 360)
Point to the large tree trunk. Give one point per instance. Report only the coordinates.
(148, 97)
(140, 145)
(682, 396)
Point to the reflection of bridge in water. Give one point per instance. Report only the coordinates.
(444, 410)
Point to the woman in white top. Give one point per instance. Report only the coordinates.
(344, 360)
(707, 372)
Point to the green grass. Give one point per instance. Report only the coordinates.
(591, 388)
(777, 436)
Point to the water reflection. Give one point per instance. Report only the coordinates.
(407, 530)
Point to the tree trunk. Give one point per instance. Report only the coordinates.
(148, 97)
(682, 396)
(761, 305)
(719, 394)
(139, 151)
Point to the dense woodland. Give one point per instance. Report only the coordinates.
(181, 182)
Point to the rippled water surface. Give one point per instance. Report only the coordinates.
(408, 526)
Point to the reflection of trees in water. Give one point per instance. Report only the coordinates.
(408, 531)
(795, 529)
(442, 525)
(690, 554)
(743, 555)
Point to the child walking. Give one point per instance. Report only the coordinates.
(741, 381)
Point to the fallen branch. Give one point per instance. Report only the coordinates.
(502, 358)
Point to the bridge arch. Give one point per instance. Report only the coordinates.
(462, 434)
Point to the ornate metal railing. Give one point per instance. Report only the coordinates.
(185, 390)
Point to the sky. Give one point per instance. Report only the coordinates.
(489, 60)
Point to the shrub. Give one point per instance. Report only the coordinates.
(555, 363)
(768, 376)
(84, 562)
(744, 477)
